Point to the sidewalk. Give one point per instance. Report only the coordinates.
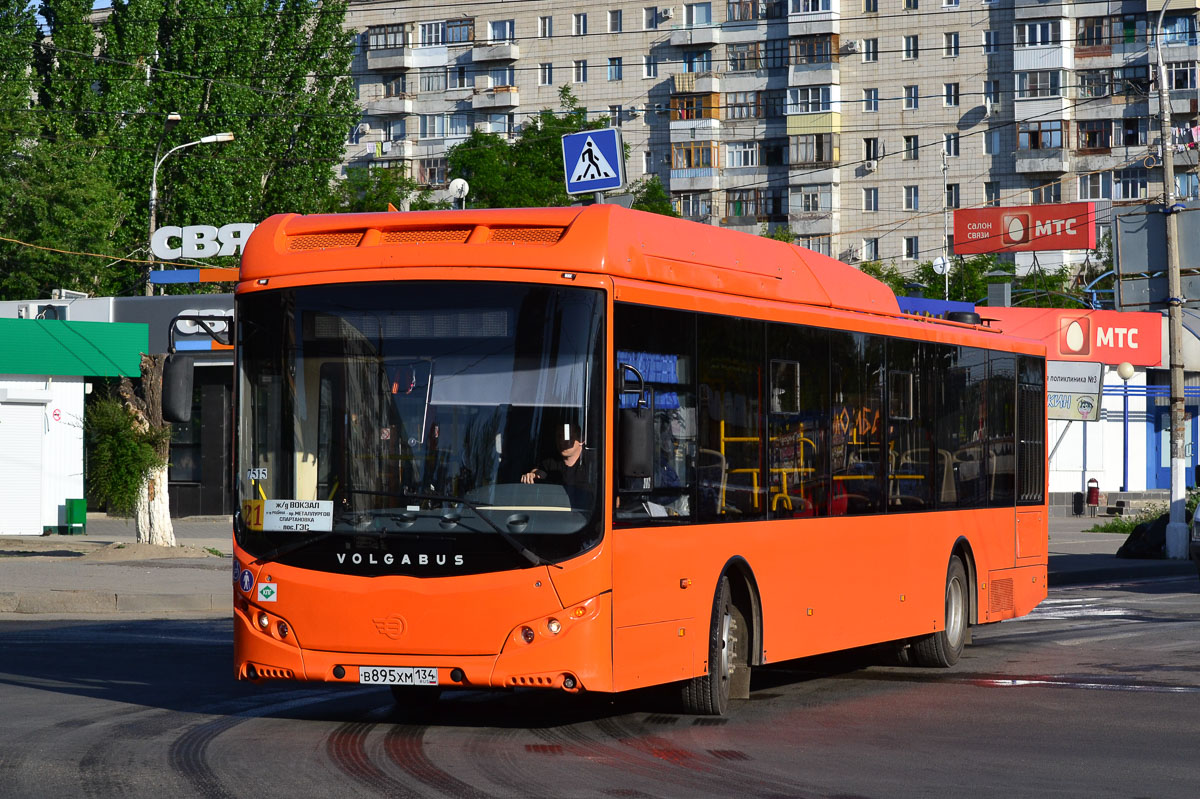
(107, 571)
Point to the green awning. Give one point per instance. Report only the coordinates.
(88, 349)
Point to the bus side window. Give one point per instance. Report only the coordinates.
(798, 422)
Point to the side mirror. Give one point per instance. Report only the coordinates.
(635, 429)
(177, 388)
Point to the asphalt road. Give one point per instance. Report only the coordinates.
(1097, 694)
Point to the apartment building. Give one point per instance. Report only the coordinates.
(859, 124)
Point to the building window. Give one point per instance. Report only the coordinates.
(912, 98)
(1134, 131)
(870, 250)
(950, 45)
(545, 74)
(503, 76)
(952, 195)
(1046, 193)
(870, 6)
(579, 24)
(991, 194)
(949, 3)
(503, 30)
(650, 18)
(1181, 75)
(693, 155)
(991, 42)
(813, 149)
(694, 205)
(1130, 184)
(580, 71)
(991, 141)
(1096, 186)
(1092, 82)
(545, 27)
(459, 125)
(871, 150)
(614, 21)
(912, 47)
(741, 154)
(991, 91)
(741, 105)
(431, 34)
(647, 161)
(912, 248)
(810, 6)
(649, 66)
(432, 79)
(398, 129)
(388, 37)
(1043, 83)
(615, 69)
(1187, 185)
(1040, 135)
(697, 61)
(950, 95)
(912, 148)
(870, 199)
(910, 5)
(460, 31)
(950, 144)
(1037, 34)
(433, 126)
(697, 15)
(742, 57)
(395, 85)
(808, 100)
(775, 53)
(870, 101)
(1094, 134)
(431, 171)
(912, 198)
(870, 50)
(812, 49)
(614, 116)
(812, 199)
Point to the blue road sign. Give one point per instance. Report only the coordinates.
(593, 160)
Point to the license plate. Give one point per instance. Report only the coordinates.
(382, 675)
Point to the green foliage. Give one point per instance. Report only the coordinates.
(778, 233)
(527, 172)
(366, 190)
(969, 278)
(120, 458)
(650, 195)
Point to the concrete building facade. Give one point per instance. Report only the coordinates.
(859, 124)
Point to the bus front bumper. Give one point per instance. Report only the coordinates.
(575, 657)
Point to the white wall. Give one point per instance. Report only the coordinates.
(1105, 456)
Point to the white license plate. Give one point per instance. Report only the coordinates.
(383, 675)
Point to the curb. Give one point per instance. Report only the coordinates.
(1172, 568)
(35, 602)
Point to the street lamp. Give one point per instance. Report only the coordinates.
(1125, 371)
(170, 122)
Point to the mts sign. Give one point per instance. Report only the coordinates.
(1068, 226)
(199, 241)
(1074, 335)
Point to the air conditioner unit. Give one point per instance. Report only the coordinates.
(853, 46)
(871, 165)
(635, 112)
(667, 12)
(43, 310)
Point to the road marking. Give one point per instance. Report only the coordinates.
(1091, 686)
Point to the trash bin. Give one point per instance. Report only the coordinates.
(76, 517)
(1077, 503)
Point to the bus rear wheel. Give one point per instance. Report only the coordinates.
(728, 645)
(943, 648)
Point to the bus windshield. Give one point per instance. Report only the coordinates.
(420, 428)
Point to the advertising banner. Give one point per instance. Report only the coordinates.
(1073, 390)
(1108, 337)
(1061, 226)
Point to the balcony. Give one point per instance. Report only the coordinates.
(390, 59)
(697, 179)
(820, 73)
(695, 83)
(499, 51)
(1183, 101)
(1042, 161)
(499, 97)
(705, 36)
(688, 129)
(396, 104)
(808, 23)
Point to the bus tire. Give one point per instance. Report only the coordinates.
(728, 644)
(943, 648)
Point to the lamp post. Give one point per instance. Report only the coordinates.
(1177, 532)
(1125, 371)
(170, 122)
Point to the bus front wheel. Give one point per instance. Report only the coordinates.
(943, 648)
(728, 644)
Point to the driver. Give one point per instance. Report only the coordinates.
(570, 467)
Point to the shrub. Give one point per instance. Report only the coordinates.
(120, 457)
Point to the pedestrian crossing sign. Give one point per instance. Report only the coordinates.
(594, 160)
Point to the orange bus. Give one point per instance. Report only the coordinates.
(598, 449)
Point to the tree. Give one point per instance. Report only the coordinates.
(120, 454)
(367, 189)
(152, 511)
(649, 194)
(778, 233)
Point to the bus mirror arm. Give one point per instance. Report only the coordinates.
(635, 427)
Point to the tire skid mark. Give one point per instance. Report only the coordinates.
(507, 766)
(189, 756)
(347, 747)
(405, 746)
(107, 769)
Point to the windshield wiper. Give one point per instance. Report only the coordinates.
(521, 549)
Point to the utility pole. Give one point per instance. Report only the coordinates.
(945, 222)
(1177, 532)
